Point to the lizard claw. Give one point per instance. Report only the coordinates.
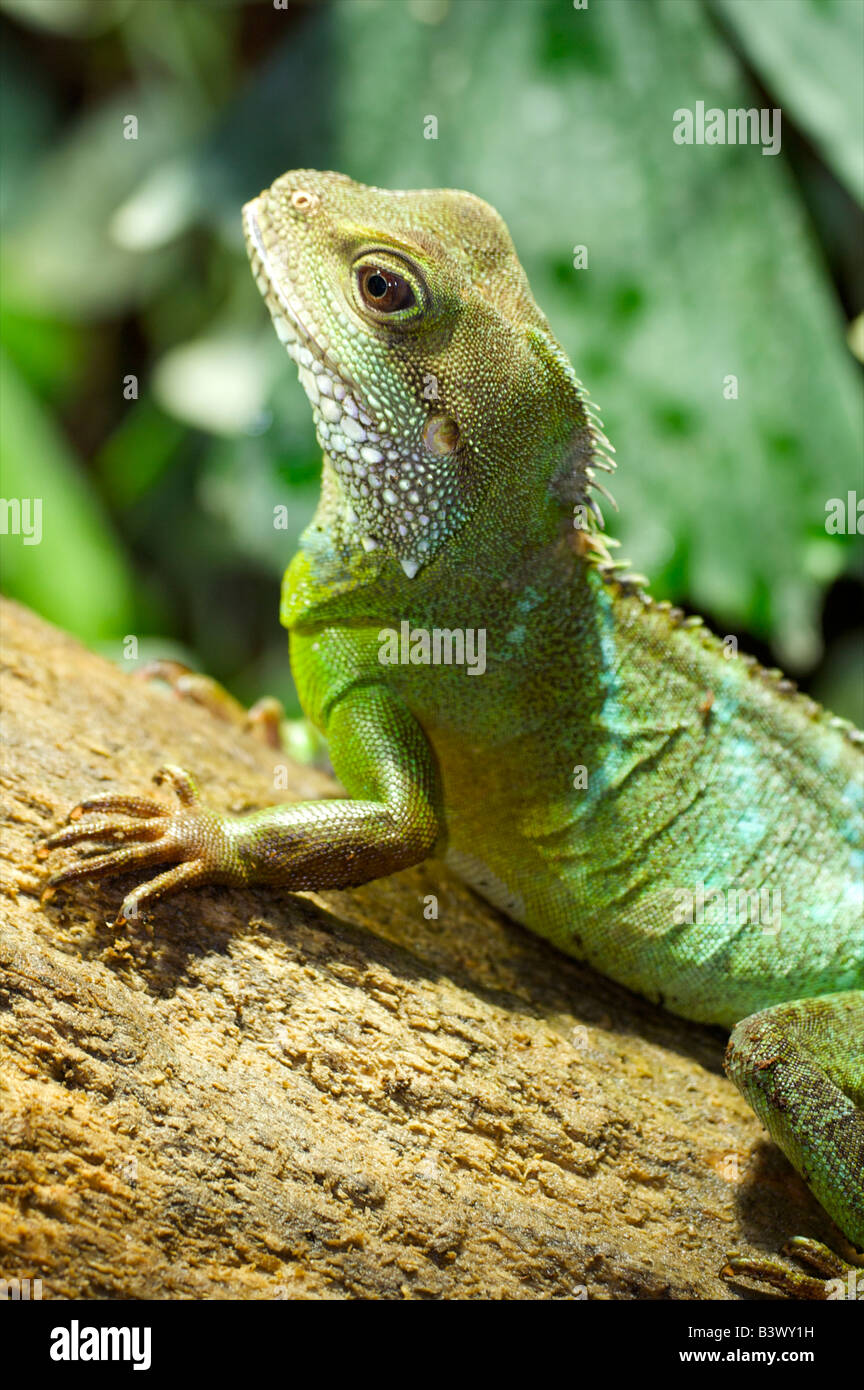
(184, 784)
(145, 833)
(839, 1278)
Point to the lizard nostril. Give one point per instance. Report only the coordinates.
(303, 200)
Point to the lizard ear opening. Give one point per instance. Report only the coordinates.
(441, 434)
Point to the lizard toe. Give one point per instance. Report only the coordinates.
(142, 806)
(187, 875)
(103, 828)
(185, 786)
(838, 1280)
(115, 862)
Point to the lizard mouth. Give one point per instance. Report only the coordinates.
(388, 495)
(307, 346)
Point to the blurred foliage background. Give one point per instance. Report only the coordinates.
(124, 257)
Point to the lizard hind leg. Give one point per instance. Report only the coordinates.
(800, 1066)
(264, 719)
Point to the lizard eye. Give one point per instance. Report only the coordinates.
(388, 286)
(384, 290)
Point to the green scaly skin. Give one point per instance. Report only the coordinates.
(460, 454)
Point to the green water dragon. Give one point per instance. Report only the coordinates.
(611, 775)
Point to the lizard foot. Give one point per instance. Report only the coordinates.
(263, 719)
(838, 1280)
(202, 845)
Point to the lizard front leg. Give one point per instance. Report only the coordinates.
(380, 754)
(801, 1067)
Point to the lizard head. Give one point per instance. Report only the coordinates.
(434, 379)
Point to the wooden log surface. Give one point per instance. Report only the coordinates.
(254, 1094)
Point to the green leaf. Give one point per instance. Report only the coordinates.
(808, 53)
(75, 574)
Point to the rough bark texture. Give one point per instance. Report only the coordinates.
(260, 1095)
